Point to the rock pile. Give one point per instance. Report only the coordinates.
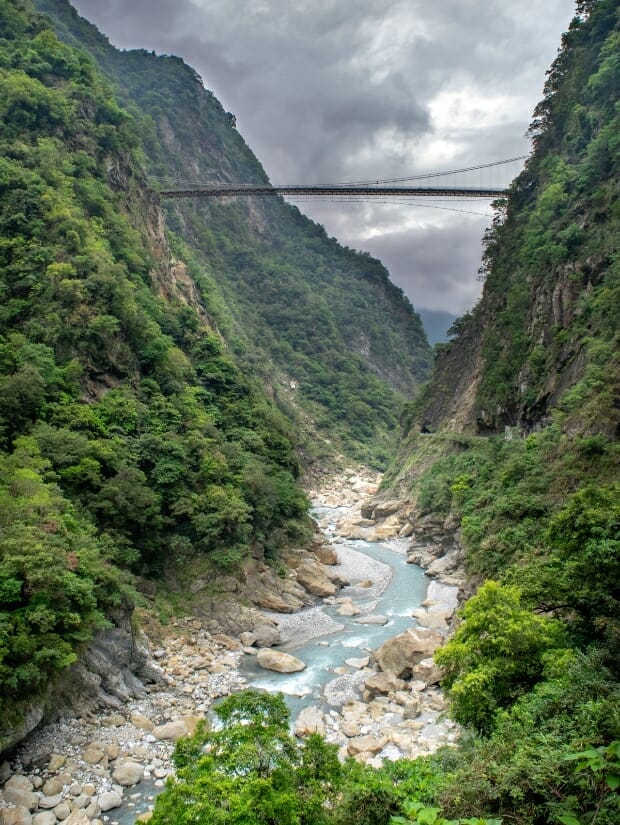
(83, 771)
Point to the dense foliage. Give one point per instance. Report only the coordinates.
(129, 434)
(251, 771)
(530, 470)
(300, 309)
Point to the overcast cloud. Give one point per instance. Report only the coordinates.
(345, 90)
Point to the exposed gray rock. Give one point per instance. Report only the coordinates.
(20, 782)
(20, 798)
(278, 661)
(375, 618)
(428, 672)
(171, 730)
(78, 818)
(366, 744)
(129, 773)
(400, 654)
(62, 811)
(109, 800)
(49, 802)
(382, 683)
(19, 815)
(310, 720)
(44, 818)
(51, 787)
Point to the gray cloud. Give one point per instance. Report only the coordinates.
(329, 91)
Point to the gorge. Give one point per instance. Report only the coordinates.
(178, 385)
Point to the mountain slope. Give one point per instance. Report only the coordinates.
(130, 437)
(515, 441)
(302, 311)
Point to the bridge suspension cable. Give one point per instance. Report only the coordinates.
(381, 187)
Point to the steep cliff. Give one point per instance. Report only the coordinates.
(335, 341)
(547, 318)
(512, 449)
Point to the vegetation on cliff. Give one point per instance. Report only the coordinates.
(129, 433)
(516, 436)
(322, 325)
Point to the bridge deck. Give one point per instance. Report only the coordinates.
(234, 190)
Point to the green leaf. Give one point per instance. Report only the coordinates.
(613, 781)
(569, 819)
(428, 816)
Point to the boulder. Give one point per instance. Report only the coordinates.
(266, 632)
(20, 782)
(227, 641)
(312, 577)
(44, 818)
(129, 773)
(366, 744)
(430, 618)
(280, 662)
(56, 762)
(19, 815)
(77, 818)
(247, 639)
(310, 720)
(326, 554)
(62, 811)
(401, 653)
(52, 787)
(141, 722)
(382, 683)
(20, 798)
(278, 602)
(359, 663)
(109, 800)
(94, 753)
(174, 730)
(428, 672)
(348, 609)
(49, 802)
(374, 618)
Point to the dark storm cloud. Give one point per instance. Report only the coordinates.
(327, 90)
(440, 272)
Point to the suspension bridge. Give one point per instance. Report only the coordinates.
(413, 186)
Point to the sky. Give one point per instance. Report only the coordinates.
(326, 91)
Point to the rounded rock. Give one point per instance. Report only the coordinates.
(62, 811)
(129, 773)
(109, 800)
(44, 818)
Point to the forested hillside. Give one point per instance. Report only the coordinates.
(129, 434)
(148, 410)
(299, 308)
(515, 439)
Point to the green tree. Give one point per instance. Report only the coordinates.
(496, 654)
(251, 771)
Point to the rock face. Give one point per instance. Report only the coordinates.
(400, 654)
(280, 662)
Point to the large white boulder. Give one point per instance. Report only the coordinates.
(278, 661)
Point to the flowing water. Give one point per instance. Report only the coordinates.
(341, 637)
(322, 638)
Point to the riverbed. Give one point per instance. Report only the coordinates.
(382, 585)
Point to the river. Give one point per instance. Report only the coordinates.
(323, 639)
